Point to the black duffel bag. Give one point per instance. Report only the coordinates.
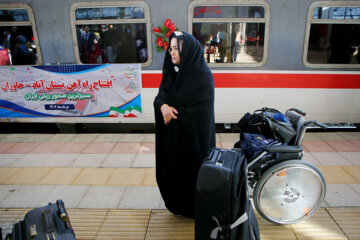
(268, 122)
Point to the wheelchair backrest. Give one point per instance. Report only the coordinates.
(298, 122)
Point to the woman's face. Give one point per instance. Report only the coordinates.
(174, 51)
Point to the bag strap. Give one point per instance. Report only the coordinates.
(243, 218)
(270, 124)
(266, 109)
(216, 230)
(49, 224)
(214, 233)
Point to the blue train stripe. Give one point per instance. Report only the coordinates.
(71, 69)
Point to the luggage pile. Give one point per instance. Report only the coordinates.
(268, 158)
(223, 208)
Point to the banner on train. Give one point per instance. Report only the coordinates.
(70, 91)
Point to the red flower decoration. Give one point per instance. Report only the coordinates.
(169, 33)
(166, 45)
(159, 41)
(167, 23)
(158, 30)
(172, 27)
(163, 33)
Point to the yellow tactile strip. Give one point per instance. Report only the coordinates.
(348, 220)
(11, 215)
(327, 223)
(164, 225)
(125, 224)
(129, 176)
(87, 222)
(321, 226)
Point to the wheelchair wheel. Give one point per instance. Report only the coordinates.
(289, 192)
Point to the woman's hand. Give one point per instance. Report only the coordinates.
(168, 113)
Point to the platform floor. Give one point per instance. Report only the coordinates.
(107, 182)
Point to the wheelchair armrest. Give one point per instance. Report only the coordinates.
(283, 149)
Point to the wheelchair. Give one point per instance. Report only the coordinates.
(286, 189)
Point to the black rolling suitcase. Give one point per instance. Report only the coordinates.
(50, 222)
(223, 208)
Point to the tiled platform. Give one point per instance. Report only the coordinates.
(326, 224)
(107, 182)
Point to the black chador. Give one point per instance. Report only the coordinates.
(182, 144)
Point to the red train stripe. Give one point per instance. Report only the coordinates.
(270, 80)
(151, 80)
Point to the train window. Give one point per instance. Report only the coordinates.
(333, 35)
(18, 37)
(110, 32)
(110, 13)
(338, 13)
(11, 15)
(231, 35)
(228, 12)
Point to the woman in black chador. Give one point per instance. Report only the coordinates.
(185, 127)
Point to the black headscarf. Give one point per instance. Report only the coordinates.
(182, 145)
(186, 86)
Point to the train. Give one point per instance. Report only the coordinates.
(282, 54)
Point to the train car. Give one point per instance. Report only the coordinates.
(275, 53)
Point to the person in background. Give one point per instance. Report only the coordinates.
(185, 126)
(237, 40)
(126, 49)
(141, 48)
(96, 55)
(221, 38)
(7, 40)
(4, 56)
(108, 43)
(22, 55)
(88, 40)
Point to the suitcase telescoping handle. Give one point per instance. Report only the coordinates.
(220, 158)
(217, 155)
